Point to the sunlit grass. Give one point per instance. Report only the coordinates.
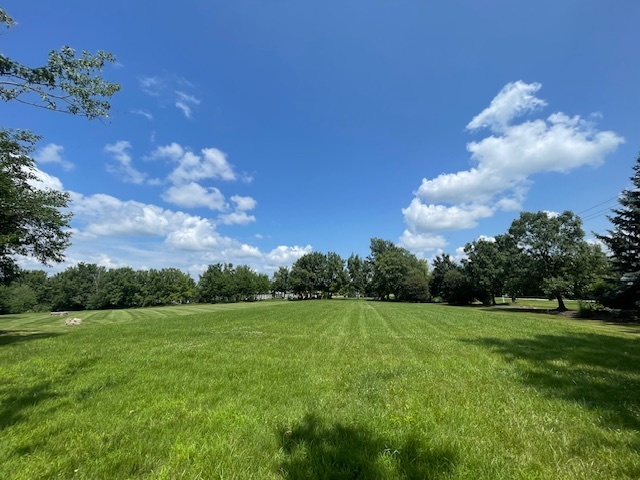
(320, 389)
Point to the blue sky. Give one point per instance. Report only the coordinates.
(254, 132)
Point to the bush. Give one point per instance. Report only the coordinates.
(588, 309)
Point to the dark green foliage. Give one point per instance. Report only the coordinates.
(224, 283)
(441, 265)
(486, 267)
(456, 287)
(397, 273)
(280, 285)
(31, 219)
(360, 275)
(415, 287)
(623, 241)
(555, 252)
(318, 275)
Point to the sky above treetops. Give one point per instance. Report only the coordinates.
(253, 132)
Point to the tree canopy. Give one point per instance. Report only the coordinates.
(623, 242)
(551, 245)
(65, 83)
(34, 220)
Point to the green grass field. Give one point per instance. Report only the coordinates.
(318, 390)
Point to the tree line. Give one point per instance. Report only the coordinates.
(541, 254)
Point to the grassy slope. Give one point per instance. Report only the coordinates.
(323, 389)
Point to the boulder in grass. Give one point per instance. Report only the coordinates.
(73, 321)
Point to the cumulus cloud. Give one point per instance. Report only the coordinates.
(243, 204)
(436, 218)
(240, 215)
(237, 218)
(168, 238)
(52, 153)
(285, 255)
(124, 164)
(422, 242)
(44, 181)
(504, 162)
(194, 195)
(210, 164)
(515, 99)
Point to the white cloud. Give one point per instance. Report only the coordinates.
(186, 109)
(172, 152)
(484, 238)
(187, 98)
(143, 113)
(44, 181)
(515, 99)
(244, 204)
(52, 153)
(151, 85)
(435, 218)
(237, 218)
(285, 255)
(104, 215)
(505, 161)
(421, 242)
(211, 164)
(185, 102)
(124, 167)
(194, 195)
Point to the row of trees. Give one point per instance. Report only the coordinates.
(388, 272)
(542, 254)
(92, 287)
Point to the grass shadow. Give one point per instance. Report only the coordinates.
(314, 449)
(601, 372)
(16, 400)
(7, 337)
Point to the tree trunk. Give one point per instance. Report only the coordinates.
(561, 306)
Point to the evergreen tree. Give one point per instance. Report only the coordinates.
(623, 242)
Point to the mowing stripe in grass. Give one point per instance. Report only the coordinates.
(319, 389)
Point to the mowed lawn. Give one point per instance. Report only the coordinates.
(318, 390)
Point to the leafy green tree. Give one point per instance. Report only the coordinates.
(245, 283)
(262, 284)
(397, 272)
(31, 219)
(66, 83)
(309, 275)
(77, 287)
(487, 267)
(359, 271)
(553, 245)
(415, 286)
(280, 283)
(334, 275)
(441, 265)
(211, 284)
(456, 287)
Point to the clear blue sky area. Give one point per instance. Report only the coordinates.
(252, 132)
